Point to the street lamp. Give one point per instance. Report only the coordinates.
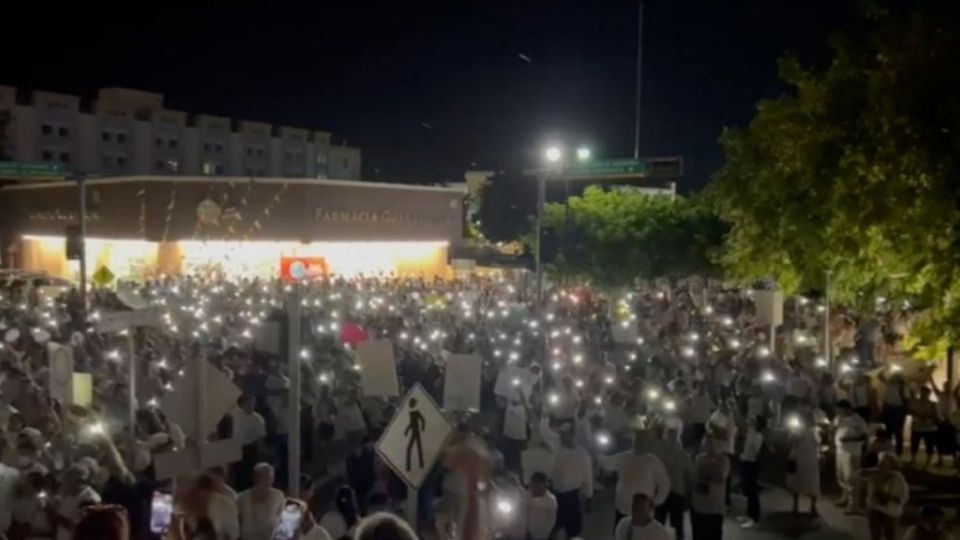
(553, 154)
(583, 153)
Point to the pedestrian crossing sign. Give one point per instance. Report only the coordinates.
(103, 276)
(414, 437)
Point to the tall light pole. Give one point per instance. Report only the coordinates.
(81, 186)
(636, 132)
(553, 156)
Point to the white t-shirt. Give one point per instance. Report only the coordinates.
(541, 515)
(653, 530)
(248, 428)
(515, 421)
(259, 518)
(8, 479)
(725, 422)
(752, 444)
(851, 425)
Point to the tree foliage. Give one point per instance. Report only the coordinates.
(614, 237)
(509, 201)
(855, 172)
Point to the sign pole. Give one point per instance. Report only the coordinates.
(132, 383)
(81, 185)
(413, 500)
(293, 405)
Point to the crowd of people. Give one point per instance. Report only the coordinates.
(676, 394)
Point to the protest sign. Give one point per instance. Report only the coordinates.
(461, 386)
(378, 370)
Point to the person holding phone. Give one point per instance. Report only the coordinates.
(260, 506)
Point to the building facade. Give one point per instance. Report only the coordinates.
(129, 132)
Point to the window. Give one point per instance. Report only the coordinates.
(160, 165)
(159, 143)
(122, 161)
(106, 161)
(218, 169)
(63, 132)
(47, 155)
(64, 157)
(46, 129)
(218, 147)
(173, 166)
(209, 168)
(121, 137)
(172, 143)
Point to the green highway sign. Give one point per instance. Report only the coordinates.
(31, 170)
(661, 167)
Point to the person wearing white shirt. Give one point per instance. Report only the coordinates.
(75, 495)
(249, 429)
(9, 476)
(514, 430)
(541, 507)
(640, 525)
(850, 434)
(887, 495)
(711, 469)
(260, 506)
(571, 476)
(564, 401)
(638, 471)
(750, 470)
(679, 467)
(723, 426)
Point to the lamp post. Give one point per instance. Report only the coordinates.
(553, 155)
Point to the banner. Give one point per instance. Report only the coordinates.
(299, 268)
(461, 387)
(769, 307)
(61, 372)
(378, 369)
(82, 389)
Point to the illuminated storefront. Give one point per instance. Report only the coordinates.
(142, 226)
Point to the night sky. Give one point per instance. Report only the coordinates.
(430, 91)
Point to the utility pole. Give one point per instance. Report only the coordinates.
(541, 196)
(636, 133)
(81, 186)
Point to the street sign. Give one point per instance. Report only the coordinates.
(103, 276)
(413, 439)
(115, 321)
(17, 169)
(182, 405)
(660, 167)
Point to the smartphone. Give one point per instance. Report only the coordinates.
(290, 519)
(161, 512)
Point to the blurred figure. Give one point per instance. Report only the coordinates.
(887, 495)
(102, 523)
(711, 469)
(342, 520)
(259, 507)
(640, 525)
(679, 467)
(803, 465)
(850, 434)
(750, 470)
(541, 508)
(930, 526)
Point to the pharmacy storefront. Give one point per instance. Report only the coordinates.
(143, 226)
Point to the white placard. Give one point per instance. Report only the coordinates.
(461, 386)
(61, 372)
(115, 321)
(413, 439)
(216, 453)
(266, 337)
(378, 368)
(769, 306)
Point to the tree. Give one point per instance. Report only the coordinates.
(509, 201)
(614, 237)
(855, 172)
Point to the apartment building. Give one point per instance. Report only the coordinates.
(127, 132)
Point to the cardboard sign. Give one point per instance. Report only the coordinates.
(461, 386)
(413, 439)
(82, 389)
(61, 372)
(378, 368)
(300, 268)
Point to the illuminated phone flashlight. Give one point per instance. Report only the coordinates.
(769, 377)
(113, 354)
(557, 366)
(800, 339)
(578, 383)
(514, 356)
(504, 506)
(598, 400)
(763, 351)
(693, 336)
(578, 359)
(669, 405)
(324, 378)
(577, 339)
(497, 353)
(794, 423)
(653, 394)
(554, 399)
(846, 368)
(305, 353)
(516, 381)
(95, 429)
(688, 352)
(734, 343)
(608, 379)
(603, 439)
(821, 362)
(639, 341)
(896, 368)
(708, 310)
